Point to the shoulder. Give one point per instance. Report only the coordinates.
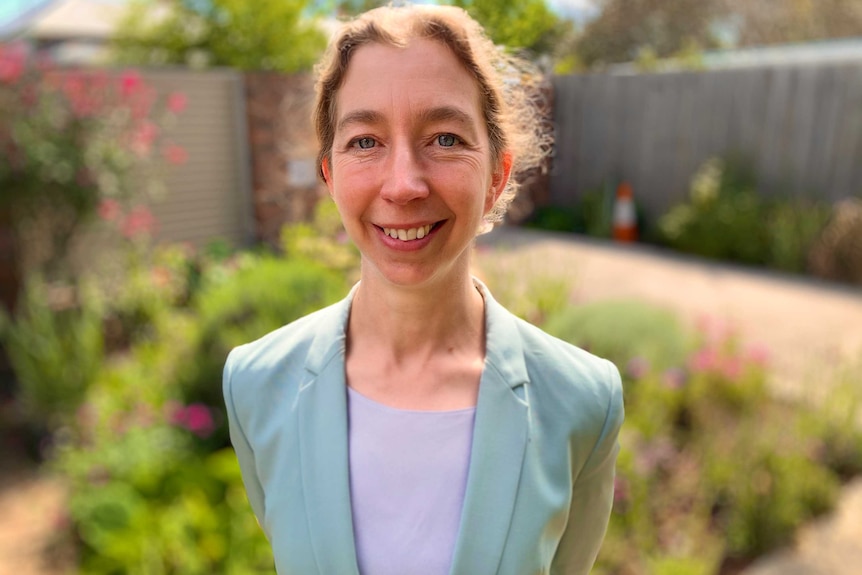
(290, 341)
(565, 383)
(550, 356)
(274, 364)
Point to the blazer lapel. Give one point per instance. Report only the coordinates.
(500, 438)
(323, 442)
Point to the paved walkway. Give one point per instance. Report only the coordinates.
(813, 331)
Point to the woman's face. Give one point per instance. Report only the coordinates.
(411, 169)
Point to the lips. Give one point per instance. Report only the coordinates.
(408, 234)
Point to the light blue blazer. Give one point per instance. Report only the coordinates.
(540, 484)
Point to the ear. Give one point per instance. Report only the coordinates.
(327, 175)
(499, 179)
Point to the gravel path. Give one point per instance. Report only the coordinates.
(31, 505)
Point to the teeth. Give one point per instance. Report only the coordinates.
(409, 234)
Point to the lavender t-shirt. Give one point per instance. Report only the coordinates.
(408, 473)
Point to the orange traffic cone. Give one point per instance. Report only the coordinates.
(625, 216)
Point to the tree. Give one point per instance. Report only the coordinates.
(630, 30)
(278, 35)
(527, 25)
(354, 7)
(784, 21)
(625, 29)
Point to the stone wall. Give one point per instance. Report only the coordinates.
(282, 149)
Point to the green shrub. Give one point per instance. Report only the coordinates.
(144, 496)
(591, 215)
(535, 295)
(623, 331)
(556, 219)
(323, 240)
(56, 348)
(597, 207)
(792, 229)
(264, 294)
(726, 218)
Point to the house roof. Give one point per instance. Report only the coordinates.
(818, 52)
(823, 51)
(16, 14)
(66, 19)
(93, 19)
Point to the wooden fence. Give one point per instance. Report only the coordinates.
(799, 125)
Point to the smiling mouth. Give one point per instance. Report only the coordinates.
(409, 234)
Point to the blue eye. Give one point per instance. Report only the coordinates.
(365, 143)
(447, 140)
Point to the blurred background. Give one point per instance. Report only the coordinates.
(698, 221)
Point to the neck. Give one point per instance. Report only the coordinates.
(410, 323)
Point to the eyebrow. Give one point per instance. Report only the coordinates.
(446, 113)
(427, 116)
(359, 117)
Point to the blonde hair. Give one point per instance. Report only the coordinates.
(508, 85)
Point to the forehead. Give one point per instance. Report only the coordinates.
(391, 80)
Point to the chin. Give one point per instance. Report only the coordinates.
(412, 276)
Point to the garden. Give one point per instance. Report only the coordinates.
(725, 218)
(117, 361)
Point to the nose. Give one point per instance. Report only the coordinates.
(404, 179)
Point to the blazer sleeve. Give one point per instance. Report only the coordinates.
(241, 446)
(592, 492)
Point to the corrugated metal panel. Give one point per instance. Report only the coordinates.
(207, 198)
(800, 126)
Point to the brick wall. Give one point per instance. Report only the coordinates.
(283, 149)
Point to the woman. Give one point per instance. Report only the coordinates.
(417, 427)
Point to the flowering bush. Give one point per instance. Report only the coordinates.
(150, 430)
(726, 218)
(713, 471)
(73, 143)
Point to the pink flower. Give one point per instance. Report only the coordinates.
(109, 210)
(196, 418)
(638, 368)
(73, 84)
(130, 83)
(731, 367)
(704, 360)
(139, 221)
(674, 378)
(177, 102)
(175, 154)
(143, 138)
(11, 64)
